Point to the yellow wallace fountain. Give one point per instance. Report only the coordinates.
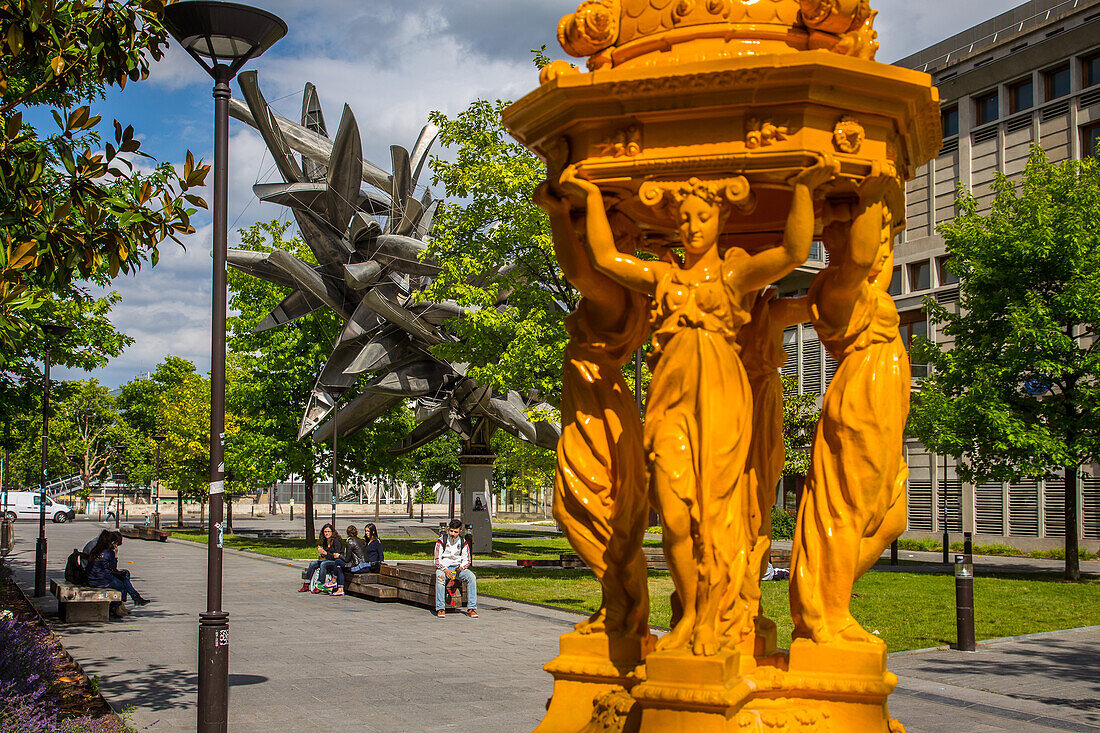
(691, 166)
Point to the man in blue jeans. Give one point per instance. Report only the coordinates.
(452, 560)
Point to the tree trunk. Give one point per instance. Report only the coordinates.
(179, 509)
(202, 515)
(1073, 562)
(228, 515)
(311, 530)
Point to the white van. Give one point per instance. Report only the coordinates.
(25, 505)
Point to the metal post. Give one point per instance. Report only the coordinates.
(964, 602)
(156, 482)
(40, 547)
(943, 500)
(335, 417)
(894, 552)
(213, 702)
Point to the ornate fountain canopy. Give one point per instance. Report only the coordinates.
(669, 32)
(717, 89)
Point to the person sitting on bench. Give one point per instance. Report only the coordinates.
(103, 572)
(375, 555)
(355, 552)
(452, 560)
(329, 552)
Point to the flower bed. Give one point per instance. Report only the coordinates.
(42, 690)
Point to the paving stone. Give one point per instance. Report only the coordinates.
(302, 662)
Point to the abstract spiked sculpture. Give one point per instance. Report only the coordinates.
(369, 244)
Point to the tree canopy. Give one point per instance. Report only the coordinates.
(1017, 394)
(73, 207)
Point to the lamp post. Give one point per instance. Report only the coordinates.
(118, 449)
(57, 331)
(158, 439)
(221, 37)
(336, 391)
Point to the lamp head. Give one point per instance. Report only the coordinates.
(222, 34)
(56, 330)
(159, 438)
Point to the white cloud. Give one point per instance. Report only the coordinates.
(393, 62)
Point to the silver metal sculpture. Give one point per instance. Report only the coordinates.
(369, 244)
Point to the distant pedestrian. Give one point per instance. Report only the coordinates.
(452, 561)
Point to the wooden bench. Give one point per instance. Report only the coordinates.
(143, 532)
(83, 603)
(407, 582)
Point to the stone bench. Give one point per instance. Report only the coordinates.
(83, 603)
(143, 532)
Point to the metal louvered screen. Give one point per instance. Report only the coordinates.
(1023, 508)
(920, 506)
(1090, 507)
(790, 345)
(811, 367)
(950, 500)
(1054, 506)
(989, 508)
(831, 365)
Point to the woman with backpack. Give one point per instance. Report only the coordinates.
(103, 572)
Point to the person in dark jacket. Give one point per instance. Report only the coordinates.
(330, 548)
(103, 572)
(375, 555)
(355, 552)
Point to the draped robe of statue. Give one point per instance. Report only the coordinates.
(853, 503)
(763, 355)
(697, 437)
(600, 498)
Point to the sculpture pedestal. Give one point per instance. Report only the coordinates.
(593, 675)
(819, 687)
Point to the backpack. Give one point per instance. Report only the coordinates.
(76, 568)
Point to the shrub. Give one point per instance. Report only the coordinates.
(782, 524)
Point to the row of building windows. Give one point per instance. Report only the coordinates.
(919, 275)
(1056, 83)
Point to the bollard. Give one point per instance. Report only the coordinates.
(964, 602)
(894, 552)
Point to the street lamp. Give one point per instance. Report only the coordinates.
(118, 449)
(158, 439)
(58, 332)
(222, 37)
(336, 391)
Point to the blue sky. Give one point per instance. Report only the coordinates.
(393, 62)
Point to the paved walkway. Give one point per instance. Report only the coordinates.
(301, 662)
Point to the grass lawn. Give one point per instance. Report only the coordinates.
(909, 610)
(396, 548)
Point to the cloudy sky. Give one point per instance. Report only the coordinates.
(393, 62)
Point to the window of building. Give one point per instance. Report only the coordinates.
(1090, 70)
(1057, 82)
(920, 276)
(1021, 96)
(913, 324)
(1090, 140)
(946, 277)
(895, 282)
(817, 252)
(950, 118)
(986, 107)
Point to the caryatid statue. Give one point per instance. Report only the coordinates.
(853, 503)
(726, 132)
